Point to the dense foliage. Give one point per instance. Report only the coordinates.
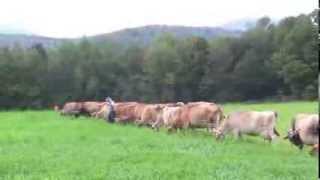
(268, 61)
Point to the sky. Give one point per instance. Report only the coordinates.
(76, 18)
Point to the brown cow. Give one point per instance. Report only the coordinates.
(71, 108)
(195, 115)
(125, 112)
(139, 108)
(250, 122)
(304, 130)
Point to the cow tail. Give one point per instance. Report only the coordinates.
(218, 115)
(293, 124)
(276, 132)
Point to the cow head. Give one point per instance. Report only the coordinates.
(159, 107)
(294, 137)
(56, 108)
(218, 133)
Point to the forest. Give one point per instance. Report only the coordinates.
(271, 61)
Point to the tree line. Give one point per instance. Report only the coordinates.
(269, 61)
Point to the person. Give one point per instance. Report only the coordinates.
(112, 114)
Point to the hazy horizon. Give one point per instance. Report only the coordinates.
(71, 19)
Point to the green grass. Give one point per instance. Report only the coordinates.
(44, 145)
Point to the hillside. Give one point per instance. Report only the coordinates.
(145, 34)
(141, 35)
(27, 40)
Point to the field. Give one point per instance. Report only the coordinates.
(44, 145)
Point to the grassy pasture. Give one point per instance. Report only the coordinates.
(44, 145)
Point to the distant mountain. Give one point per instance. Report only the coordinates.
(27, 40)
(240, 24)
(145, 34)
(140, 35)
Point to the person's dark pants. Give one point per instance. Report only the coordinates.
(111, 116)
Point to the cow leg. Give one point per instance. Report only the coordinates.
(210, 129)
(172, 129)
(300, 147)
(236, 134)
(93, 114)
(269, 135)
(266, 136)
(269, 138)
(272, 135)
(155, 127)
(139, 123)
(185, 130)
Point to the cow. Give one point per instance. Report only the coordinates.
(139, 108)
(72, 108)
(315, 150)
(200, 102)
(250, 122)
(91, 107)
(304, 130)
(56, 108)
(150, 114)
(125, 112)
(103, 112)
(172, 104)
(194, 115)
(168, 113)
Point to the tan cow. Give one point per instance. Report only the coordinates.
(72, 108)
(103, 112)
(150, 114)
(168, 114)
(200, 102)
(56, 108)
(194, 115)
(304, 130)
(250, 122)
(315, 150)
(139, 108)
(92, 107)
